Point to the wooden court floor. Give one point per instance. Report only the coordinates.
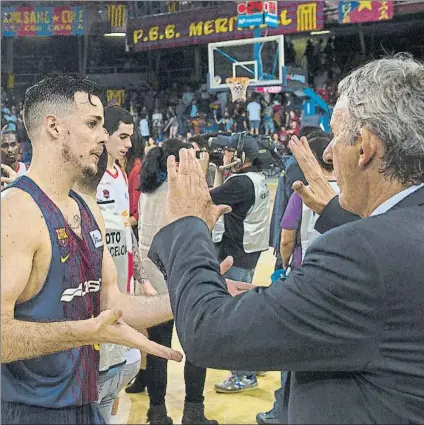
(239, 408)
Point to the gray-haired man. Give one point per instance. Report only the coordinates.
(349, 322)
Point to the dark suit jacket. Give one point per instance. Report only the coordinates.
(334, 215)
(349, 322)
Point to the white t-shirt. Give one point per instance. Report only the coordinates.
(144, 128)
(114, 187)
(157, 120)
(254, 110)
(22, 169)
(309, 218)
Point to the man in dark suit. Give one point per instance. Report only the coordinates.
(349, 323)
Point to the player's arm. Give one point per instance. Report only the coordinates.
(139, 312)
(20, 339)
(288, 243)
(290, 225)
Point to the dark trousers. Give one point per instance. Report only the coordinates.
(18, 413)
(157, 370)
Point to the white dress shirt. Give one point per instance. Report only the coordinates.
(391, 202)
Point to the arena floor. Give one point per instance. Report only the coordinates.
(240, 408)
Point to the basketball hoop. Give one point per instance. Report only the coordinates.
(238, 87)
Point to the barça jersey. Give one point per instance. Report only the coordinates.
(70, 292)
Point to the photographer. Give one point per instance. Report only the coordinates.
(243, 233)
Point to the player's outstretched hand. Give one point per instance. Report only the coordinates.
(110, 327)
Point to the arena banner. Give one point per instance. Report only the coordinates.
(117, 15)
(115, 97)
(42, 21)
(351, 12)
(209, 25)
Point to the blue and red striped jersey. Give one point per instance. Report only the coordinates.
(70, 292)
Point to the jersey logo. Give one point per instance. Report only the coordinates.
(97, 238)
(83, 289)
(106, 194)
(62, 236)
(64, 259)
(126, 218)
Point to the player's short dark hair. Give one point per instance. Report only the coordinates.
(114, 115)
(154, 167)
(8, 131)
(309, 131)
(318, 145)
(55, 89)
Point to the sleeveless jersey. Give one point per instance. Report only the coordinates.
(114, 187)
(70, 292)
(22, 169)
(113, 354)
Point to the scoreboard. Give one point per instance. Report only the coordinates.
(257, 13)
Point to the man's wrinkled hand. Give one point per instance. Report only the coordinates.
(237, 288)
(188, 192)
(204, 161)
(318, 193)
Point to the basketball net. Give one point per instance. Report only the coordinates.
(238, 87)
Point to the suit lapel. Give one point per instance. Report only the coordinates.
(414, 199)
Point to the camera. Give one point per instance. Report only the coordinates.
(259, 149)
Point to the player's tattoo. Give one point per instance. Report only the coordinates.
(75, 223)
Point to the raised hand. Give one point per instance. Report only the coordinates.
(318, 193)
(204, 161)
(188, 193)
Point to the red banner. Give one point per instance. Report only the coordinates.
(351, 12)
(42, 21)
(209, 25)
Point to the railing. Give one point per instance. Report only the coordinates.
(172, 75)
(147, 8)
(116, 69)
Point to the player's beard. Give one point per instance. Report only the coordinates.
(70, 158)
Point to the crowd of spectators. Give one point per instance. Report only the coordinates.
(12, 120)
(180, 109)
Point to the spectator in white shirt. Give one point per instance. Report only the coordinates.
(144, 127)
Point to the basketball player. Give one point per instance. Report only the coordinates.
(9, 155)
(113, 187)
(59, 296)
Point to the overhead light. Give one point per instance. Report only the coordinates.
(115, 34)
(320, 32)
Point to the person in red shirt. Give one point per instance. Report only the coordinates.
(293, 117)
(294, 128)
(132, 166)
(324, 93)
